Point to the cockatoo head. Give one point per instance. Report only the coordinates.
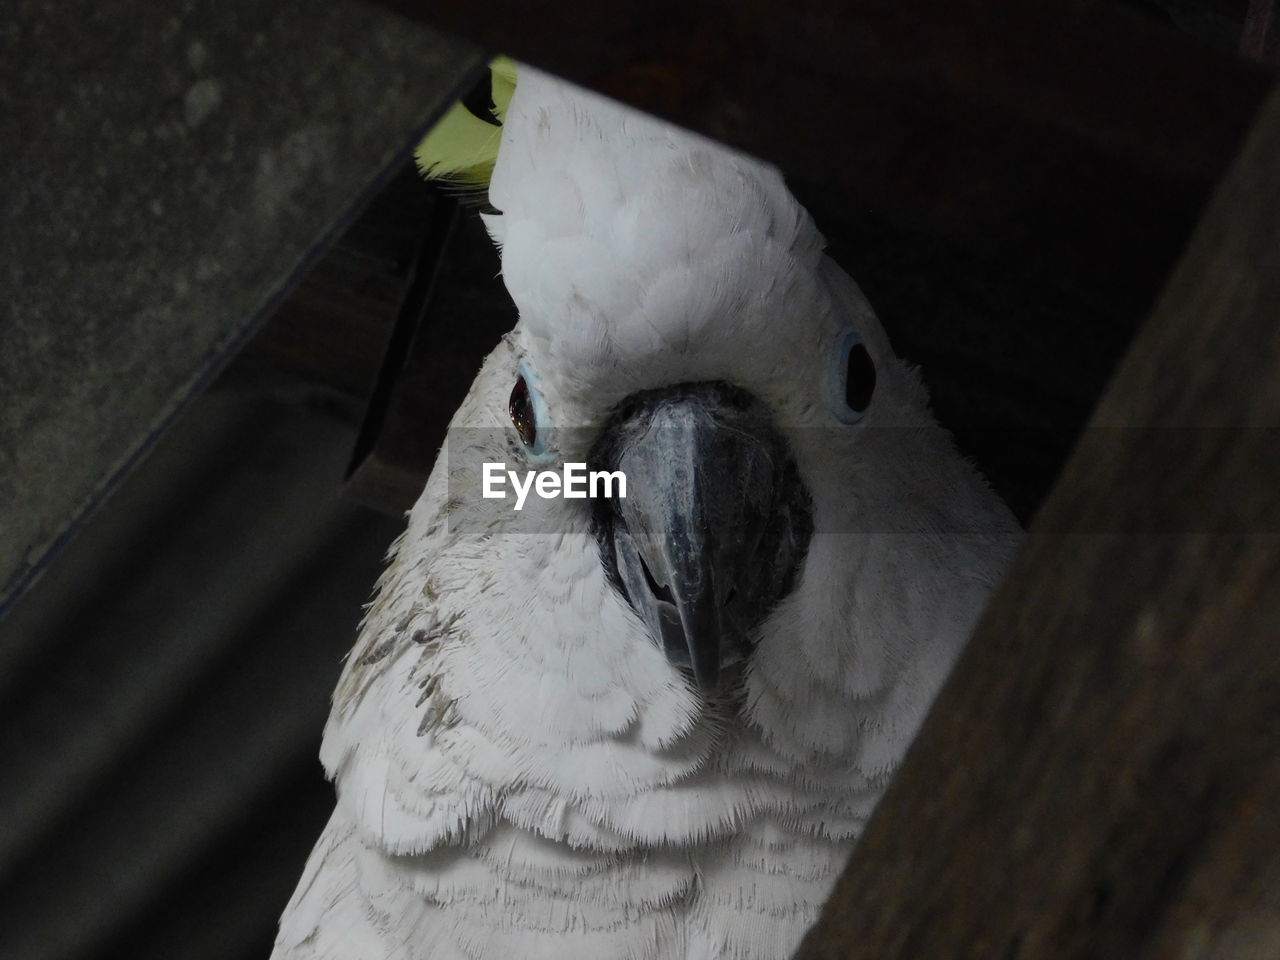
(679, 323)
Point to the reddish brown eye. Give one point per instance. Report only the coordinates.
(521, 407)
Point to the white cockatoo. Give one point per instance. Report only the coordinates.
(653, 725)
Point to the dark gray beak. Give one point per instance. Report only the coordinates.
(715, 523)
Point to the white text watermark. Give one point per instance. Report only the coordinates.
(574, 482)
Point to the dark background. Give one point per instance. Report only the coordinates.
(164, 684)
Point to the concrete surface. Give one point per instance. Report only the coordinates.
(165, 170)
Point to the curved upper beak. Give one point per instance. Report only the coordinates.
(714, 524)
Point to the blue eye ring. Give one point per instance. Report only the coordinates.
(531, 416)
(853, 378)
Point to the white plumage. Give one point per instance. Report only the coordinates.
(521, 771)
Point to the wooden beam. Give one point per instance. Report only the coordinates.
(1078, 138)
(1100, 777)
(1260, 39)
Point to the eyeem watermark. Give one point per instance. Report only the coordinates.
(475, 508)
(574, 482)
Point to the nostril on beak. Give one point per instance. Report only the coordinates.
(659, 592)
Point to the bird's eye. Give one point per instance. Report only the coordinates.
(522, 412)
(530, 417)
(853, 376)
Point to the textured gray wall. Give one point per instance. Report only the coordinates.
(164, 172)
